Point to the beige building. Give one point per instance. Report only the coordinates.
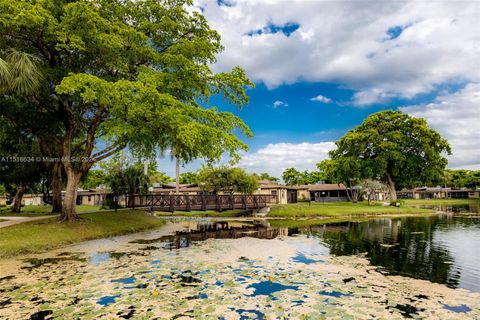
(92, 197)
(284, 194)
(438, 193)
(3, 201)
(327, 192)
(32, 200)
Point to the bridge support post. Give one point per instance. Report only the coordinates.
(172, 203)
(255, 201)
(151, 202)
(232, 202)
(187, 200)
(217, 203)
(204, 203)
(244, 201)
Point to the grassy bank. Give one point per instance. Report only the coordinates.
(341, 209)
(32, 237)
(31, 211)
(426, 202)
(207, 213)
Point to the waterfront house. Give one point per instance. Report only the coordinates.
(284, 194)
(438, 193)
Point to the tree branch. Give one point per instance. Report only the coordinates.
(107, 154)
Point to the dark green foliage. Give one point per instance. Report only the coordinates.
(266, 176)
(392, 147)
(189, 177)
(94, 179)
(19, 154)
(128, 181)
(227, 179)
(461, 179)
(292, 176)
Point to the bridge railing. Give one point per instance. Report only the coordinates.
(171, 202)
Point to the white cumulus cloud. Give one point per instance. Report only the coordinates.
(351, 43)
(457, 118)
(275, 158)
(279, 103)
(321, 98)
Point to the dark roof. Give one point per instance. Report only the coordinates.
(181, 190)
(171, 185)
(267, 184)
(325, 187)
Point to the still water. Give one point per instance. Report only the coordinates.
(443, 249)
(258, 269)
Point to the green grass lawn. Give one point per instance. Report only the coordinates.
(340, 209)
(420, 202)
(207, 213)
(31, 211)
(35, 236)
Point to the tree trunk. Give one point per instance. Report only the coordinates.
(177, 175)
(57, 188)
(69, 212)
(391, 188)
(17, 200)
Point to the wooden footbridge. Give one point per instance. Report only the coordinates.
(173, 203)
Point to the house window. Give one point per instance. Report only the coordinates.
(274, 192)
(89, 198)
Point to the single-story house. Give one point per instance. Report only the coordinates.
(438, 193)
(92, 197)
(328, 192)
(284, 194)
(32, 200)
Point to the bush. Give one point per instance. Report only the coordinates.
(397, 203)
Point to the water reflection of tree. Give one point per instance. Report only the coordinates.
(413, 254)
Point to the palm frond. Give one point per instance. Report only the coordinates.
(24, 71)
(5, 75)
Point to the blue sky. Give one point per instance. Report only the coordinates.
(289, 113)
(321, 67)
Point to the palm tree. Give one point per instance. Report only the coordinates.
(19, 73)
(175, 155)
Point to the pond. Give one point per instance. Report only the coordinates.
(247, 269)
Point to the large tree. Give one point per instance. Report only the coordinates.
(20, 78)
(225, 178)
(189, 177)
(129, 181)
(123, 73)
(266, 176)
(19, 167)
(292, 176)
(461, 178)
(392, 147)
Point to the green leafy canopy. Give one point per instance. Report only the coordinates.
(390, 146)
